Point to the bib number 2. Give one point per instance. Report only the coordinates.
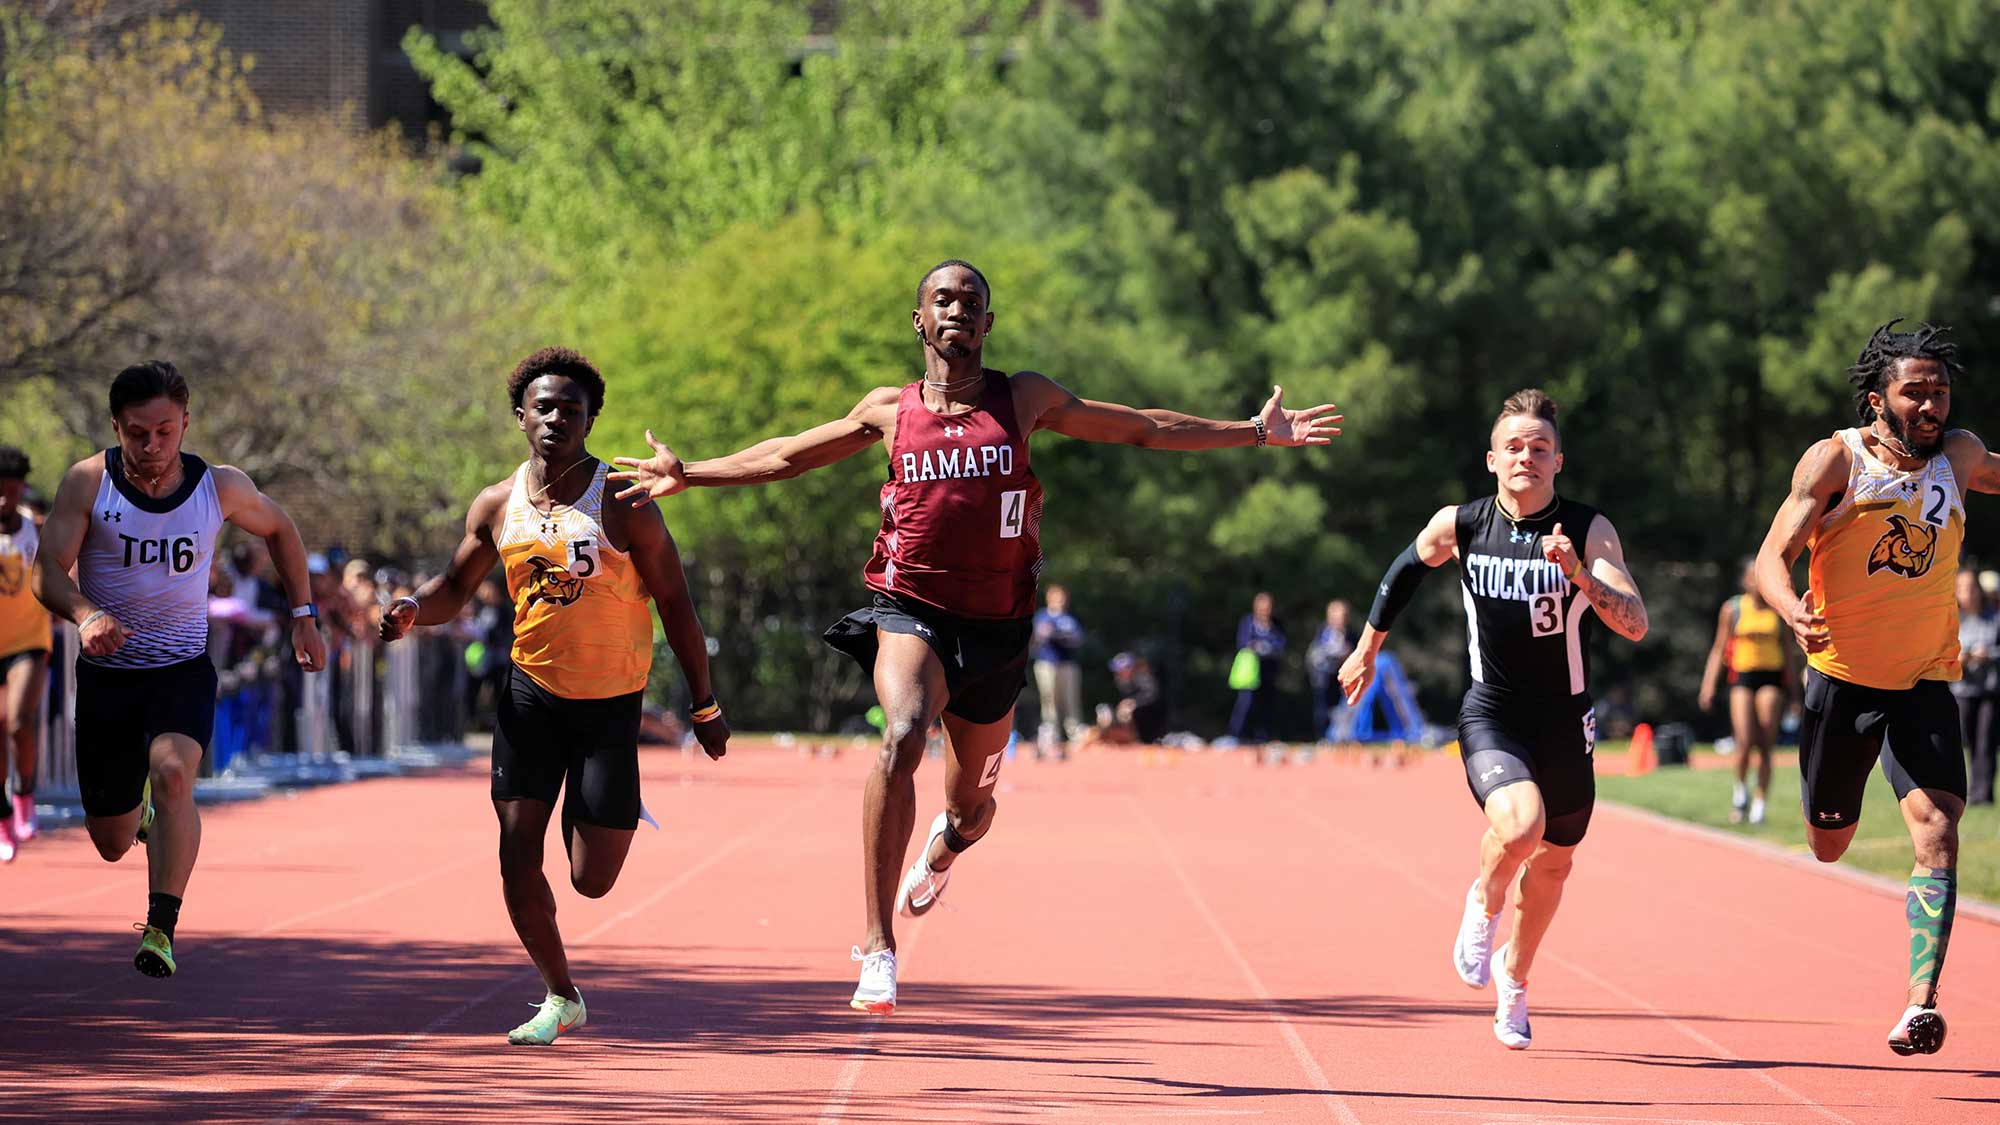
(1545, 615)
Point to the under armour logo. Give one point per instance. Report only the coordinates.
(113, 517)
(923, 631)
(1490, 774)
(1519, 536)
(1828, 815)
(954, 431)
(548, 527)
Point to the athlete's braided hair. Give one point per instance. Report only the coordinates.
(947, 264)
(566, 362)
(1882, 352)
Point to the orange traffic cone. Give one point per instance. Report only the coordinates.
(1641, 760)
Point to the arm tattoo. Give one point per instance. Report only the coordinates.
(1625, 613)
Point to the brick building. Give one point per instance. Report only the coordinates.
(341, 58)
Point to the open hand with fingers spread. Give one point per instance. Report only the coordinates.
(1315, 425)
(655, 477)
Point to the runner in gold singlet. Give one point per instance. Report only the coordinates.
(1882, 509)
(1750, 647)
(24, 653)
(580, 566)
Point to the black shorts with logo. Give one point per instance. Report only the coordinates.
(542, 740)
(1505, 738)
(120, 711)
(985, 662)
(1847, 728)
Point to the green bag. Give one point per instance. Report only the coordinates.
(1246, 672)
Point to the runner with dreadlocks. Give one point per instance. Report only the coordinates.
(1882, 509)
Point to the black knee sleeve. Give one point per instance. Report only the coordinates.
(953, 842)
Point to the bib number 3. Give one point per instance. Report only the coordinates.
(1545, 616)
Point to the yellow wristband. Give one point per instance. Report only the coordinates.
(1570, 576)
(704, 714)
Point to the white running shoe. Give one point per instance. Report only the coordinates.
(555, 1015)
(1472, 953)
(1919, 1032)
(877, 991)
(922, 886)
(1757, 810)
(7, 847)
(1510, 1016)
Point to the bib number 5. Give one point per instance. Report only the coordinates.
(583, 558)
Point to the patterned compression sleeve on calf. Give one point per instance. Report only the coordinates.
(1930, 903)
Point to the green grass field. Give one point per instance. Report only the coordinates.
(1881, 846)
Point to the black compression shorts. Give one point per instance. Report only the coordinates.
(120, 711)
(543, 739)
(1847, 728)
(1505, 738)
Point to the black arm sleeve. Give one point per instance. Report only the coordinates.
(1398, 587)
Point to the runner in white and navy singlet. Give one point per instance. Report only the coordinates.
(138, 524)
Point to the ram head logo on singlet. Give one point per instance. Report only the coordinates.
(1906, 549)
(551, 583)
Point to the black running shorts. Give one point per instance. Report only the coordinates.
(120, 711)
(1847, 728)
(542, 739)
(1756, 681)
(1505, 738)
(985, 662)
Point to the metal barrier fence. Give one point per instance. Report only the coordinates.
(377, 709)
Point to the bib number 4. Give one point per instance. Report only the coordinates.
(1013, 512)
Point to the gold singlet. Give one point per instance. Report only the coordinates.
(1885, 570)
(581, 628)
(24, 624)
(1754, 644)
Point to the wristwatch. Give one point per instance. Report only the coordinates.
(306, 610)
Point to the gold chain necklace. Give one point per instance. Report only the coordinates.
(542, 493)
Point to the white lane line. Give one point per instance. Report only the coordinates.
(864, 1048)
(1307, 1063)
(1362, 844)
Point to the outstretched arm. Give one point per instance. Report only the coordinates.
(1055, 408)
(1437, 542)
(1606, 581)
(440, 599)
(1821, 474)
(779, 458)
(246, 506)
(659, 564)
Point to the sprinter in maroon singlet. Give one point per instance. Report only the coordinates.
(953, 570)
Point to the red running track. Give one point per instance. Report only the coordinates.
(1203, 940)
